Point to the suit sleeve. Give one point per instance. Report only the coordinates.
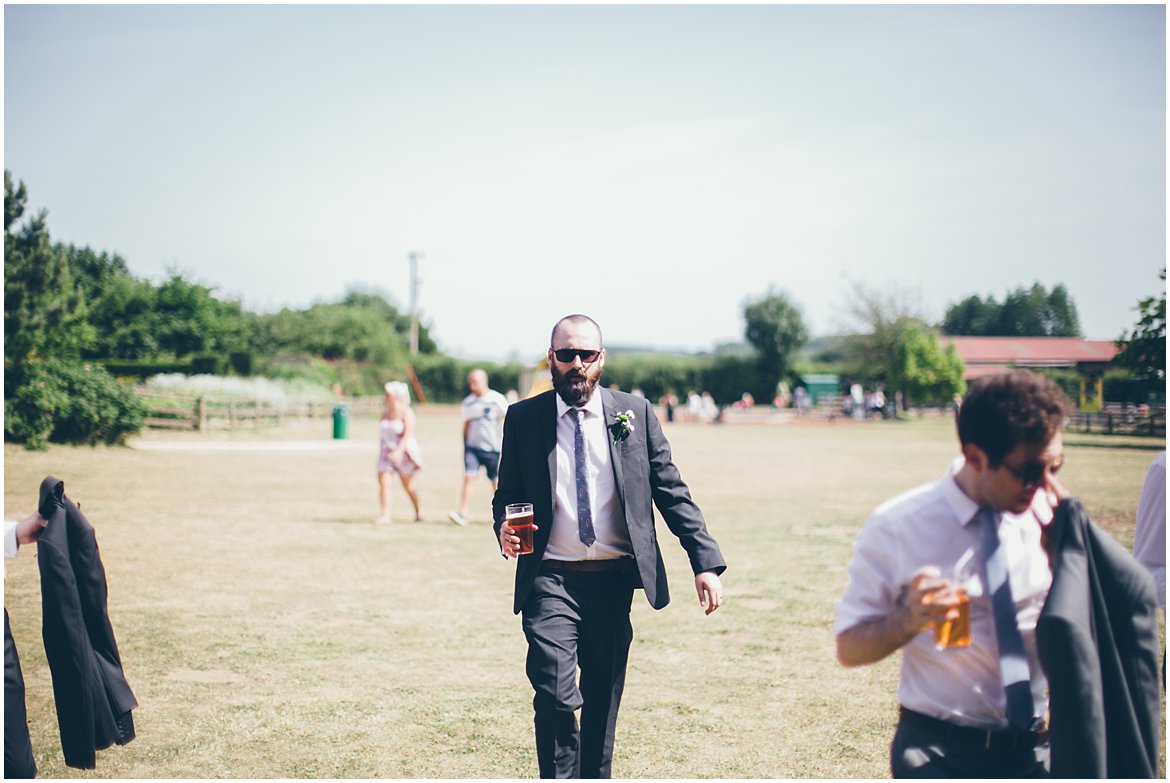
(673, 499)
(508, 485)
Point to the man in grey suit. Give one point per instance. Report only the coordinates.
(592, 462)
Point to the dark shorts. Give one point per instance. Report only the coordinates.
(474, 458)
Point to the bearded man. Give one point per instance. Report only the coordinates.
(591, 462)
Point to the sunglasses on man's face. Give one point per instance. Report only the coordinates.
(1032, 474)
(567, 355)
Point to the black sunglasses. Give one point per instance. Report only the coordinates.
(567, 355)
(1032, 474)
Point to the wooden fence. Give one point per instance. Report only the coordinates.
(202, 413)
(1118, 418)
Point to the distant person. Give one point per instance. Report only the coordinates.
(483, 415)
(398, 451)
(593, 464)
(18, 755)
(668, 402)
(708, 410)
(857, 401)
(801, 400)
(963, 555)
(877, 404)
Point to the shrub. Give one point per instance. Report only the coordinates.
(69, 402)
(207, 364)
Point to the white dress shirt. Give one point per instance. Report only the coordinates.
(609, 522)
(1149, 536)
(10, 544)
(933, 525)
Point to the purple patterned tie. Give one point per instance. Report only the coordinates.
(1013, 658)
(584, 513)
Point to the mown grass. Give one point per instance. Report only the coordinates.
(269, 630)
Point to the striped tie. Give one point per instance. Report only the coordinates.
(584, 513)
(1013, 659)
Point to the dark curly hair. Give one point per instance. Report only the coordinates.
(1004, 410)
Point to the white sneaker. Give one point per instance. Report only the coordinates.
(457, 518)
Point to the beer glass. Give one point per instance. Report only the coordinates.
(955, 632)
(519, 517)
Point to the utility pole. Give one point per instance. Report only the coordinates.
(414, 256)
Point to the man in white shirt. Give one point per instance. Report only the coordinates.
(483, 412)
(975, 710)
(593, 463)
(18, 756)
(1149, 535)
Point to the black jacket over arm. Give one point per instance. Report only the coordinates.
(93, 699)
(1097, 637)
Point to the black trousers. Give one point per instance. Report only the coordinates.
(577, 620)
(926, 752)
(18, 755)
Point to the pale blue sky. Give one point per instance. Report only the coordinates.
(652, 166)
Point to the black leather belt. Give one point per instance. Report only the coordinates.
(990, 739)
(585, 566)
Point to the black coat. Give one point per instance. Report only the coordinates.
(93, 699)
(1097, 637)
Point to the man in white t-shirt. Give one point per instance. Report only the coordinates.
(483, 416)
(975, 709)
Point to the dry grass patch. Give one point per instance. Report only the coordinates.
(269, 630)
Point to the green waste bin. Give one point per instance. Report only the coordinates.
(340, 421)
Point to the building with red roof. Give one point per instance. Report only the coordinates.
(990, 355)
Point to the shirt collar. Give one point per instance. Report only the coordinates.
(963, 507)
(593, 407)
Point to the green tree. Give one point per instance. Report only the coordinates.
(370, 300)
(191, 320)
(775, 328)
(93, 272)
(44, 313)
(893, 345)
(1143, 350)
(333, 331)
(877, 321)
(971, 316)
(922, 369)
(1025, 312)
(124, 317)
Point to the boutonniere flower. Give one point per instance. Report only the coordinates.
(623, 425)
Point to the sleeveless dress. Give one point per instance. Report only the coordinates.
(391, 437)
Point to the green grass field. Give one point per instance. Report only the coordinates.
(269, 630)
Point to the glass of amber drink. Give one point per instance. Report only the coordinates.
(519, 517)
(955, 631)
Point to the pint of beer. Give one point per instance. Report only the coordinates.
(954, 632)
(519, 517)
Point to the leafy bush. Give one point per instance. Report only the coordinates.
(70, 402)
(655, 375)
(444, 378)
(142, 369)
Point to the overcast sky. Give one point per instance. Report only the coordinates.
(651, 166)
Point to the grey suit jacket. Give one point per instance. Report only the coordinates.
(1097, 637)
(644, 475)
